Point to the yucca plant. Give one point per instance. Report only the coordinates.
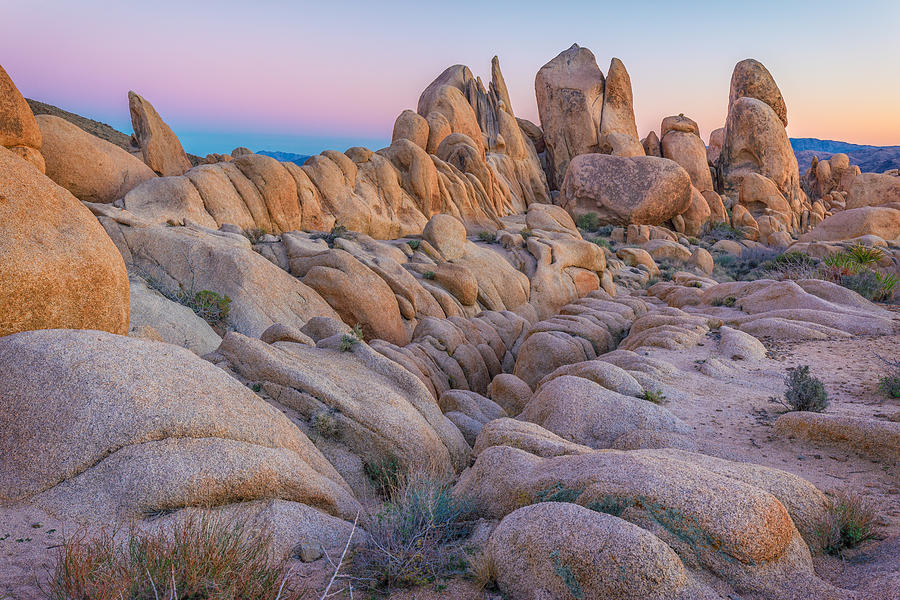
(864, 256)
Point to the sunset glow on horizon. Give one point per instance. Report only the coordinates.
(304, 77)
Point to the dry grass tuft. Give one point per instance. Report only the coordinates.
(201, 559)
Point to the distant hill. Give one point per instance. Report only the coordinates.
(298, 159)
(101, 130)
(871, 159)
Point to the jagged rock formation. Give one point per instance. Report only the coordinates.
(18, 130)
(157, 142)
(756, 143)
(463, 154)
(583, 112)
(60, 270)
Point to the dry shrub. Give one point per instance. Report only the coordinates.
(850, 521)
(412, 541)
(200, 559)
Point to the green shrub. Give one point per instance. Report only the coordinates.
(654, 396)
(600, 242)
(803, 391)
(871, 285)
(428, 274)
(348, 342)
(488, 237)
(850, 520)
(889, 384)
(411, 542)
(385, 474)
(414, 244)
(526, 233)
(209, 305)
(588, 221)
(202, 559)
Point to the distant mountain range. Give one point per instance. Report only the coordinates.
(298, 159)
(871, 159)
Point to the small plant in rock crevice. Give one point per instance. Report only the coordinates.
(654, 396)
(325, 424)
(428, 274)
(414, 244)
(255, 234)
(889, 384)
(350, 340)
(558, 493)
(803, 392)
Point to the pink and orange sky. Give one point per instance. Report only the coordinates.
(306, 76)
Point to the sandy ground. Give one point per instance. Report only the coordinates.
(733, 417)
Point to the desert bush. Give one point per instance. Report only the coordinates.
(728, 301)
(325, 424)
(202, 559)
(255, 234)
(722, 231)
(849, 521)
(871, 285)
(526, 233)
(803, 391)
(654, 396)
(385, 474)
(864, 256)
(790, 265)
(852, 268)
(428, 274)
(746, 267)
(611, 505)
(337, 231)
(603, 243)
(414, 244)
(890, 383)
(488, 237)
(589, 221)
(209, 305)
(411, 542)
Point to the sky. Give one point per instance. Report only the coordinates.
(308, 76)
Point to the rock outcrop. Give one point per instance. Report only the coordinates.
(60, 270)
(157, 142)
(569, 92)
(19, 131)
(755, 142)
(641, 190)
(143, 427)
(94, 170)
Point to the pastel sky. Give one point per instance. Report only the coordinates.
(306, 76)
